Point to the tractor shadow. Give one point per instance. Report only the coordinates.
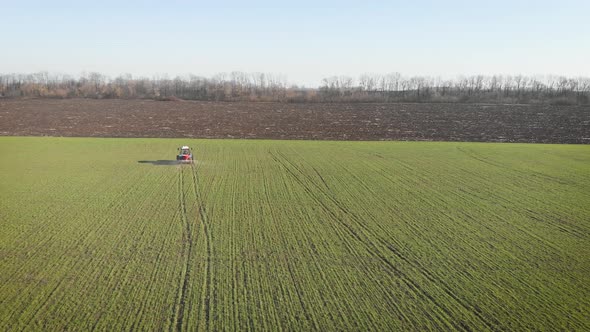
(160, 162)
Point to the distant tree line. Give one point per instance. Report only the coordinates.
(239, 86)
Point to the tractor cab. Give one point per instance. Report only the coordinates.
(185, 154)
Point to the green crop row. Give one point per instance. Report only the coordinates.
(109, 234)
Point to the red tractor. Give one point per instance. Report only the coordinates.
(185, 154)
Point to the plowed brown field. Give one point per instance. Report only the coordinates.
(424, 122)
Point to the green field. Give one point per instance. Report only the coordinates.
(293, 235)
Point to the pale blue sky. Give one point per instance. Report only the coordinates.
(304, 40)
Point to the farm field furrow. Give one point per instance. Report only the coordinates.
(108, 234)
(312, 121)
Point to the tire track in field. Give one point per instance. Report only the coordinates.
(526, 211)
(208, 242)
(439, 200)
(188, 248)
(367, 243)
(531, 175)
(372, 248)
(526, 173)
(491, 323)
(305, 308)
